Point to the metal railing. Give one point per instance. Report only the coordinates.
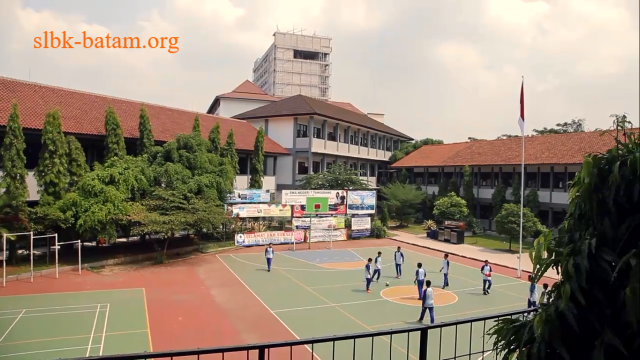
(415, 342)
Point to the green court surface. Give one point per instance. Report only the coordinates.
(322, 292)
(73, 324)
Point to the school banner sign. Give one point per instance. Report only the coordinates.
(320, 223)
(269, 237)
(325, 235)
(249, 196)
(261, 210)
(316, 202)
(361, 202)
(360, 227)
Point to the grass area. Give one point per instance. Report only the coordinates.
(496, 242)
(410, 228)
(212, 246)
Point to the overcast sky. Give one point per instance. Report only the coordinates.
(442, 69)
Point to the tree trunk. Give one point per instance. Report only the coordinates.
(510, 244)
(12, 254)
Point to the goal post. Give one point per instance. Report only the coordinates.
(4, 254)
(57, 247)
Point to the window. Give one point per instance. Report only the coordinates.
(507, 178)
(372, 170)
(432, 178)
(346, 135)
(330, 164)
(388, 145)
(315, 167)
(351, 140)
(531, 180)
(380, 143)
(317, 133)
(363, 141)
(373, 141)
(302, 168)
(572, 175)
(475, 176)
(496, 178)
(559, 180)
(243, 165)
(302, 131)
(418, 177)
(331, 136)
(545, 180)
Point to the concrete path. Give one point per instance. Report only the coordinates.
(469, 251)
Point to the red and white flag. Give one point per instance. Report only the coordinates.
(521, 118)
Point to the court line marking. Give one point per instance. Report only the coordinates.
(287, 268)
(146, 313)
(72, 337)
(295, 258)
(263, 304)
(374, 300)
(356, 254)
(51, 313)
(12, 325)
(104, 330)
(43, 351)
(338, 285)
(69, 292)
(344, 312)
(394, 298)
(52, 307)
(95, 320)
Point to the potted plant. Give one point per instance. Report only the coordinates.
(430, 226)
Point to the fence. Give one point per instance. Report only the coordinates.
(426, 350)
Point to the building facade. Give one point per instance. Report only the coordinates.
(83, 114)
(551, 162)
(295, 64)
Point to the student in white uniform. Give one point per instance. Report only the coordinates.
(533, 293)
(268, 254)
(368, 275)
(378, 266)
(427, 303)
(486, 277)
(399, 258)
(445, 271)
(544, 296)
(421, 275)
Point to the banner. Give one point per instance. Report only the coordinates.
(316, 202)
(249, 196)
(320, 223)
(360, 227)
(361, 202)
(269, 237)
(261, 210)
(326, 235)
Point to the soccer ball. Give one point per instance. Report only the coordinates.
(387, 283)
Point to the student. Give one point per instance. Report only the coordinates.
(367, 274)
(421, 275)
(533, 293)
(486, 277)
(445, 268)
(544, 296)
(268, 254)
(427, 303)
(399, 258)
(378, 266)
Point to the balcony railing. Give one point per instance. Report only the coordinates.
(429, 345)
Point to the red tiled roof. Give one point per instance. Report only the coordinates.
(544, 149)
(346, 105)
(83, 113)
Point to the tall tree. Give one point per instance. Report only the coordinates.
(450, 207)
(338, 176)
(195, 129)
(408, 147)
(145, 134)
(594, 311)
(114, 139)
(498, 198)
(257, 161)
(453, 187)
(403, 201)
(516, 189)
(532, 201)
(508, 223)
(573, 126)
(229, 152)
(14, 176)
(443, 186)
(52, 173)
(467, 189)
(214, 139)
(77, 162)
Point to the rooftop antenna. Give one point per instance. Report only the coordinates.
(277, 28)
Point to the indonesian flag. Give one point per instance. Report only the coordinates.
(521, 118)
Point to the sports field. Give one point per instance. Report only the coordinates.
(322, 292)
(78, 324)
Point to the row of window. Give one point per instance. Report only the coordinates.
(316, 167)
(374, 141)
(559, 180)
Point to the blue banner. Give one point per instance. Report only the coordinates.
(249, 196)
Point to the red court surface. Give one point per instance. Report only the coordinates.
(199, 302)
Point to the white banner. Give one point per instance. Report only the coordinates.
(326, 235)
(322, 223)
(360, 223)
(361, 202)
(269, 237)
(299, 197)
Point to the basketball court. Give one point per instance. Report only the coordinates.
(322, 292)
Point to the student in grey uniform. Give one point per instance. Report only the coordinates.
(268, 254)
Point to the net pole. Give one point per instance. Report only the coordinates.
(57, 247)
(79, 257)
(31, 253)
(4, 260)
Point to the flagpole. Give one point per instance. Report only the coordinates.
(522, 175)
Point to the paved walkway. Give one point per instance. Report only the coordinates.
(469, 251)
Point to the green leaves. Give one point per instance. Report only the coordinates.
(403, 201)
(14, 176)
(508, 222)
(450, 207)
(257, 161)
(338, 176)
(145, 134)
(52, 172)
(114, 139)
(467, 189)
(214, 139)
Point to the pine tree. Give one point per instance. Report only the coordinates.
(145, 137)
(229, 152)
(257, 161)
(114, 139)
(195, 130)
(52, 173)
(14, 176)
(77, 162)
(532, 201)
(467, 186)
(516, 188)
(453, 187)
(214, 139)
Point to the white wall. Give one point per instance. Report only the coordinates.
(232, 107)
(280, 130)
(284, 170)
(268, 182)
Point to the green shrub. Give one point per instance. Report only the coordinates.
(378, 230)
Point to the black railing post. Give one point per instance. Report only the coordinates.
(424, 343)
(262, 354)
